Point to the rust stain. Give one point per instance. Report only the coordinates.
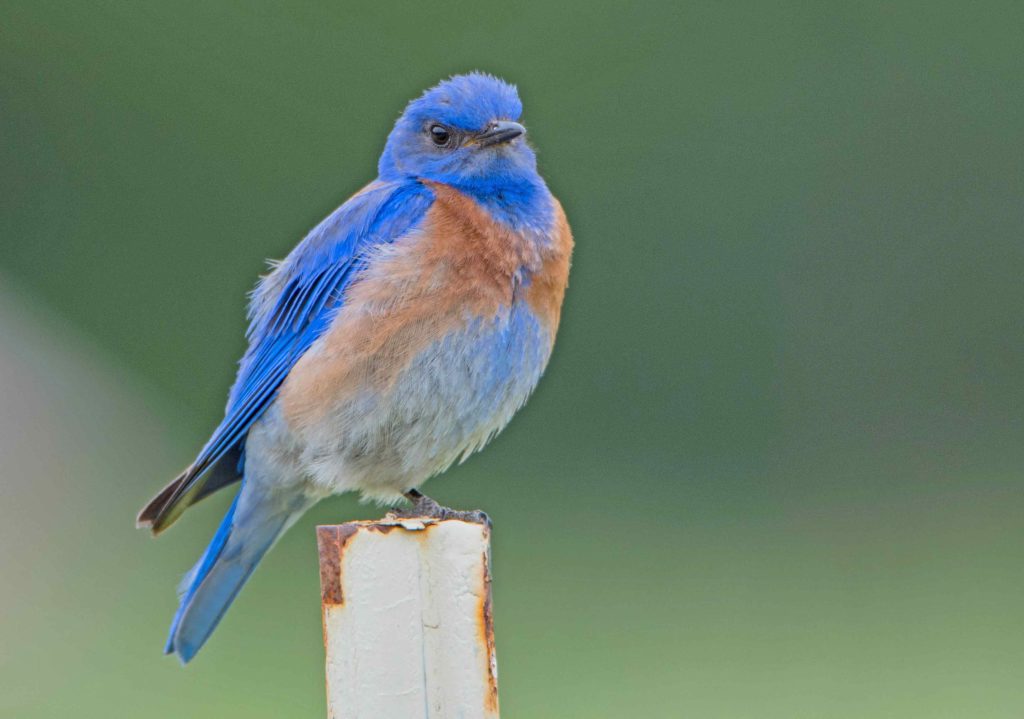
(420, 535)
(485, 627)
(381, 528)
(331, 541)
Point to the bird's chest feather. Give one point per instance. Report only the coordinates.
(438, 342)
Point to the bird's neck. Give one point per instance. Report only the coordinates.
(523, 203)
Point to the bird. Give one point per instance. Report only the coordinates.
(397, 338)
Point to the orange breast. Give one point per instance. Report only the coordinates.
(459, 266)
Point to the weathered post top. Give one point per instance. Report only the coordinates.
(407, 619)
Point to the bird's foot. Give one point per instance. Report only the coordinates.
(424, 506)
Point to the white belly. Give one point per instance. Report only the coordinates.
(452, 398)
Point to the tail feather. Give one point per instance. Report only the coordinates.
(187, 488)
(249, 529)
(149, 514)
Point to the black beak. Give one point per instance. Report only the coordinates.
(498, 132)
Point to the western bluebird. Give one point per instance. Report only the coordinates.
(400, 335)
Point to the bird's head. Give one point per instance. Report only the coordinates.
(463, 132)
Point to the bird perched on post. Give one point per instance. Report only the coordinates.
(400, 335)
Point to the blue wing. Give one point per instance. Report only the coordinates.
(290, 309)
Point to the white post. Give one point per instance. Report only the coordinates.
(407, 620)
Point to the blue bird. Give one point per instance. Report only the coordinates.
(399, 336)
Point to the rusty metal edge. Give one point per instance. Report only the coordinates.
(486, 626)
(331, 541)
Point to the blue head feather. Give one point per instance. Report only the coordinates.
(503, 177)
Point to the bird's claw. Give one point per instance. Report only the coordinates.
(424, 506)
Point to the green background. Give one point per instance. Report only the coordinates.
(774, 468)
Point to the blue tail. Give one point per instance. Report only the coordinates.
(249, 529)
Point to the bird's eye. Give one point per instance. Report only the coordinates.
(440, 135)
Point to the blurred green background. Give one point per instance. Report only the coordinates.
(774, 468)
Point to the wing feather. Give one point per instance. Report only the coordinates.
(290, 308)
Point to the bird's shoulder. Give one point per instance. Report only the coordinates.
(379, 213)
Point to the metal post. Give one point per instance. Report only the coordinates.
(407, 620)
